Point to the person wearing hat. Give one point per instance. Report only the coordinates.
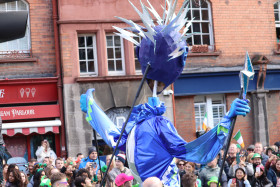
(260, 178)
(120, 168)
(246, 166)
(213, 182)
(250, 149)
(91, 160)
(257, 160)
(123, 180)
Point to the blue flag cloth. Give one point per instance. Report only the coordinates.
(155, 141)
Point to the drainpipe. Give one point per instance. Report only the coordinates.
(58, 74)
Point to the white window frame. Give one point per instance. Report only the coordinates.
(210, 25)
(27, 33)
(277, 22)
(95, 73)
(137, 71)
(115, 73)
(117, 121)
(207, 101)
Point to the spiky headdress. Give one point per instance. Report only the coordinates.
(162, 45)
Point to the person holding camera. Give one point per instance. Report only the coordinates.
(44, 151)
(91, 160)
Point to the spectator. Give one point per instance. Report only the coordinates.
(82, 181)
(59, 163)
(274, 173)
(31, 164)
(249, 158)
(83, 172)
(232, 151)
(120, 161)
(113, 164)
(92, 157)
(257, 160)
(259, 149)
(80, 156)
(181, 166)
(213, 182)
(269, 151)
(260, 179)
(24, 179)
(5, 170)
(47, 161)
(69, 174)
(277, 144)
(152, 182)
(211, 170)
(271, 161)
(39, 174)
(14, 179)
(250, 149)
(58, 180)
(45, 151)
(124, 180)
(190, 168)
(189, 180)
(54, 170)
(247, 167)
(240, 179)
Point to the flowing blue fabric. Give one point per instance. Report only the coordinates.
(156, 139)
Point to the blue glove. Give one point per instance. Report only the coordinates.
(83, 103)
(239, 107)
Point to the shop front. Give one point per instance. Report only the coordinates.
(30, 113)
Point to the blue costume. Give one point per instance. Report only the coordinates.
(150, 139)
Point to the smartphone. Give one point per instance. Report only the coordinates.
(237, 158)
(258, 169)
(94, 165)
(233, 180)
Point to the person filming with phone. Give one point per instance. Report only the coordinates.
(91, 160)
(240, 179)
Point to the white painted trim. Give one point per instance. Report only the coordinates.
(33, 124)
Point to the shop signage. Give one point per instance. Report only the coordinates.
(29, 112)
(28, 93)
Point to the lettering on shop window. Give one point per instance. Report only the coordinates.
(14, 113)
(2, 92)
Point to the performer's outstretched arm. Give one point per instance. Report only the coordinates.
(98, 119)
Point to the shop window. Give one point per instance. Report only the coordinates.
(277, 20)
(22, 45)
(115, 55)
(213, 105)
(87, 55)
(201, 27)
(120, 121)
(137, 63)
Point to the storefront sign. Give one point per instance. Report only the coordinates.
(29, 112)
(28, 93)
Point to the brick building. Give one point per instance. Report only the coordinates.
(94, 57)
(31, 99)
(210, 82)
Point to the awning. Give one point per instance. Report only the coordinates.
(40, 127)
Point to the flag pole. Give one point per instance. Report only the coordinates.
(228, 141)
(125, 123)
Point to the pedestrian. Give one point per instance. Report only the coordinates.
(189, 180)
(59, 180)
(45, 151)
(240, 179)
(5, 170)
(260, 179)
(246, 166)
(259, 149)
(190, 168)
(257, 160)
(39, 174)
(82, 181)
(24, 179)
(14, 179)
(91, 159)
(273, 173)
(120, 168)
(152, 182)
(211, 170)
(31, 164)
(59, 163)
(123, 180)
(250, 149)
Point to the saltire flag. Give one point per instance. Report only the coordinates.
(239, 139)
(205, 124)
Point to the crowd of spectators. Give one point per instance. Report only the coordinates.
(257, 166)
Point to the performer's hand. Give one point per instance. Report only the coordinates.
(239, 107)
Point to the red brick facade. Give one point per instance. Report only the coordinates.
(42, 59)
(238, 26)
